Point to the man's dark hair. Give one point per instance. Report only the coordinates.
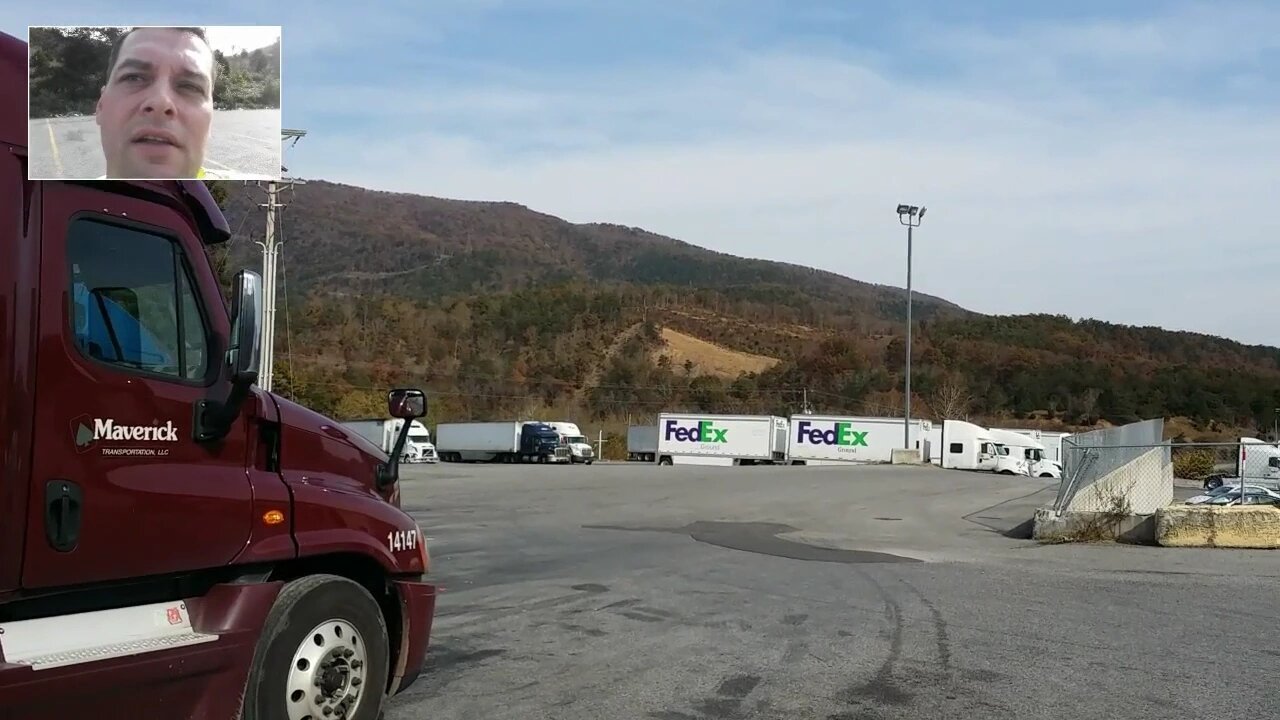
(119, 43)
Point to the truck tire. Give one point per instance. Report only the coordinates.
(324, 644)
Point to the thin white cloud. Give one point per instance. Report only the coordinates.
(1039, 202)
(1115, 168)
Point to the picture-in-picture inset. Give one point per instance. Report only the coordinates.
(154, 102)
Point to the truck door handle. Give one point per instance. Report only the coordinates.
(63, 503)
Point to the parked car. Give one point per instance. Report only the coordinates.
(1223, 490)
(1251, 497)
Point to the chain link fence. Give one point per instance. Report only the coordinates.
(1131, 470)
(1123, 470)
(1215, 468)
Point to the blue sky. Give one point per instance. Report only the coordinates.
(1107, 159)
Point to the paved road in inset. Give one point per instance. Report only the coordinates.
(243, 142)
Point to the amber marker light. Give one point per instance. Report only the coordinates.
(273, 517)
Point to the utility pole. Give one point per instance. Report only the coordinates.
(908, 215)
(270, 248)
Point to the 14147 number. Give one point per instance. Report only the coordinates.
(398, 540)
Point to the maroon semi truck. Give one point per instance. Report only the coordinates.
(176, 542)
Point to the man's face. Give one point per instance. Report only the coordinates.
(155, 110)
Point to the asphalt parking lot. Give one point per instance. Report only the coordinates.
(242, 143)
(693, 593)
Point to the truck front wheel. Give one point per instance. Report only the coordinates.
(323, 654)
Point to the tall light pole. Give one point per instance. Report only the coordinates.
(908, 215)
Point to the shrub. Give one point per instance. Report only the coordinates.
(1193, 464)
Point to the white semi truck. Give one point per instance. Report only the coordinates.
(1258, 462)
(698, 439)
(837, 439)
(580, 450)
(382, 432)
(1020, 454)
(511, 441)
(965, 446)
(1051, 440)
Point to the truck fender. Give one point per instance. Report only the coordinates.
(332, 521)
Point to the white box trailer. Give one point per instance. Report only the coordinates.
(694, 438)
(839, 439)
(510, 441)
(642, 443)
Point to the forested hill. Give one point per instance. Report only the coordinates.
(344, 238)
(501, 311)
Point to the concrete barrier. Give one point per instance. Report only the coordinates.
(904, 456)
(1084, 526)
(1218, 526)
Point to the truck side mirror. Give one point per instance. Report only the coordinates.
(245, 352)
(407, 405)
(244, 356)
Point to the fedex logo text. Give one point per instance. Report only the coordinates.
(704, 431)
(840, 433)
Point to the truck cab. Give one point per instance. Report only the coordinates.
(176, 542)
(966, 446)
(385, 432)
(419, 446)
(1023, 454)
(580, 451)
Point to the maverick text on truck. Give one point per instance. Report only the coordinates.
(175, 542)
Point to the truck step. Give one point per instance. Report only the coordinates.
(59, 641)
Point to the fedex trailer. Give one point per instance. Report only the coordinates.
(836, 439)
(697, 439)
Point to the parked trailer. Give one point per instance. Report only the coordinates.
(965, 446)
(838, 439)
(383, 432)
(642, 443)
(722, 439)
(513, 441)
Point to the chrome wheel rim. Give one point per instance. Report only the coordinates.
(328, 673)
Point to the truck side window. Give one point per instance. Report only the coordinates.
(957, 448)
(133, 303)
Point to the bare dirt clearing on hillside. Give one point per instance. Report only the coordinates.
(709, 358)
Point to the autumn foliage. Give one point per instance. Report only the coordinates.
(498, 311)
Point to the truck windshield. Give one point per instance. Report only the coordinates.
(575, 439)
(418, 438)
